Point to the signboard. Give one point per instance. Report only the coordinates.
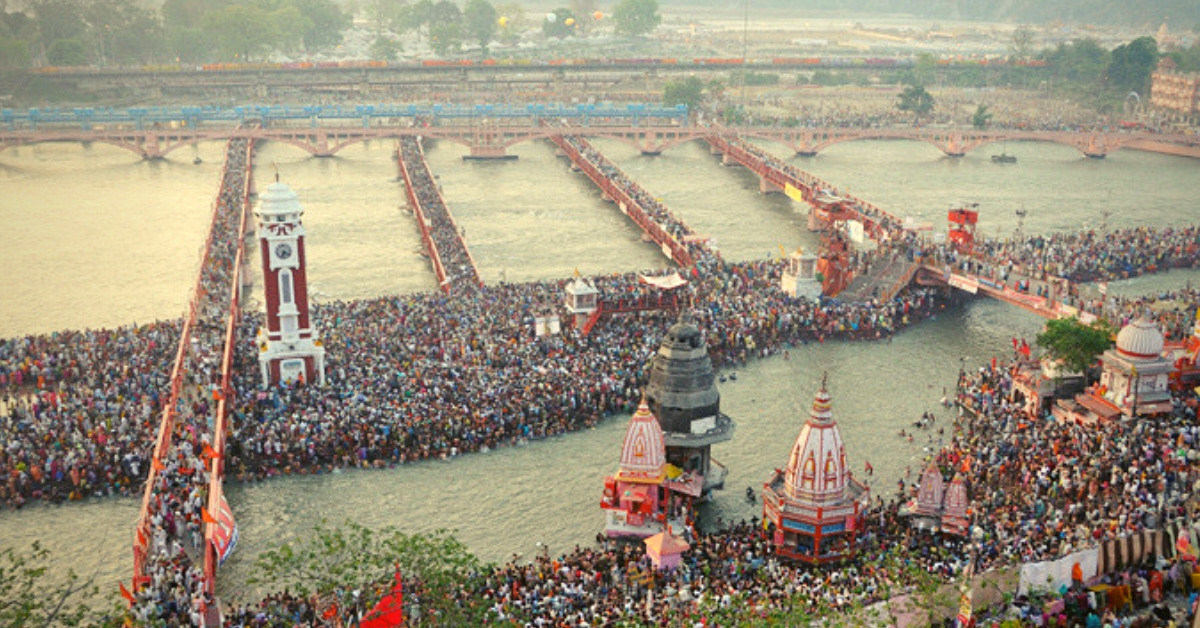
(963, 283)
(225, 535)
(793, 192)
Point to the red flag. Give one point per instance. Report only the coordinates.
(141, 536)
(158, 466)
(210, 452)
(207, 518)
(125, 592)
(330, 612)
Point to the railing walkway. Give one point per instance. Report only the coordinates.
(676, 240)
(448, 253)
(177, 526)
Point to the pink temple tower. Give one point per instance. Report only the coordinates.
(813, 509)
(289, 350)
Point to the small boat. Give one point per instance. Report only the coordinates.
(197, 161)
(1004, 158)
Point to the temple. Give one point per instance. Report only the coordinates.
(682, 393)
(813, 509)
(939, 508)
(1134, 378)
(647, 493)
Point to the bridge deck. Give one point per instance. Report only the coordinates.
(452, 261)
(187, 469)
(659, 224)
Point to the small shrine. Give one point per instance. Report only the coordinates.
(939, 508)
(813, 509)
(956, 513)
(1134, 378)
(647, 494)
(799, 278)
(582, 299)
(665, 550)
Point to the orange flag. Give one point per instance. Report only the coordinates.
(125, 592)
(141, 536)
(210, 452)
(205, 516)
(158, 466)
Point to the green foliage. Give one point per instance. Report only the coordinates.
(385, 48)
(480, 22)
(982, 117)
(323, 22)
(32, 597)
(636, 17)
(1021, 46)
(240, 33)
(689, 91)
(513, 15)
(917, 100)
(419, 14)
(445, 28)
(1131, 65)
(829, 79)
(332, 562)
(1188, 60)
(559, 26)
(1074, 343)
(67, 52)
(14, 53)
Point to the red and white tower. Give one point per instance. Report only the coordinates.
(289, 351)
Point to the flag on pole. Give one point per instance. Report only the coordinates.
(207, 518)
(157, 464)
(125, 593)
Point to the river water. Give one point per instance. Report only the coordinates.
(94, 237)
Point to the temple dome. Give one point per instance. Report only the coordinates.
(279, 199)
(817, 470)
(1140, 339)
(643, 454)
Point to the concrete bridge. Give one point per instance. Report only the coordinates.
(491, 139)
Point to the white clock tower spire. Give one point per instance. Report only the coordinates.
(289, 351)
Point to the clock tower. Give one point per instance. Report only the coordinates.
(288, 350)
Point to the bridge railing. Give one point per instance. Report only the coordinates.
(440, 234)
(628, 197)
(174, 504)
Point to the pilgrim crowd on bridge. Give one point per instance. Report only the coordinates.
(448, 244)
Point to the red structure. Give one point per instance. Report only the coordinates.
(813, 509)
(962, 229)
(289, 351)
(646, 492)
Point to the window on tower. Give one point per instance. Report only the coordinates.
(285, 287)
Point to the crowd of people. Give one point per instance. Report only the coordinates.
(449, 250)
(170, 581)
(643, 202)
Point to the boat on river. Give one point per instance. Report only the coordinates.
(1004, 158)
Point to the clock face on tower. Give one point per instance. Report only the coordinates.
(283, 251)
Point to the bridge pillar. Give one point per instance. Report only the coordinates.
(150, 149)
(648, 144)
(1095, 150)
(767, 187)
(487, 151)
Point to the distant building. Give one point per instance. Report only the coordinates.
(1175, 93)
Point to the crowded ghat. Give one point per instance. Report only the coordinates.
(434, 376)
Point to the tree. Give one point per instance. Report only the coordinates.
(331, 563)
(1021, 46)
(30, 599)
(239, 32)
(636, 17)
(559, 23)
(915, 99)
(511, 22)
(689, 91)
(1075, 343)
(323, 23)
(982, 117)
(480, 18)
(14, 54)
(385, 48)
(1131, 65)
(445, 28)
(67, 52)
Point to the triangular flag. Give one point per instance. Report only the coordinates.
(158, 466)
(210, 452)
(141, 537)
(205, 516)
(125, 592)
